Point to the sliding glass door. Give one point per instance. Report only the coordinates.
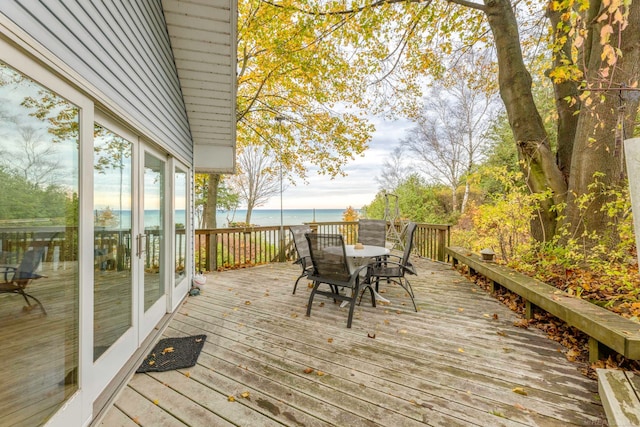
(151, 242)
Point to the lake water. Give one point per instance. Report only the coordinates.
(266, 217)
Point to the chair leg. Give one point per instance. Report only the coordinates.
(25, 295)
(296, 285)
(407, 287)
(373, 297)
(352, 305)
(313, 293)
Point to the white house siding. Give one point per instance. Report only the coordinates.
(122, 48)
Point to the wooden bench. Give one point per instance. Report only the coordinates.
(601, 325)
(619, 394)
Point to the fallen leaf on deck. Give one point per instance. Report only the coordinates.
(187, 374)
(572, 355)
(155, 401)
(371, 336)
(294, 315)
(461, 350)
(231, 398)
(136, 420)
(247, 303)
(402, 331)
(386, 321)
(502, 334)
(522, 408)
(321, 304)
(486, 315)
(245, 394)
(320, 373)
(520, 390)
(329, 340)
(495, 316)
(461, 310)
(308, 370)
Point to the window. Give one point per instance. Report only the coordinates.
(39, 146)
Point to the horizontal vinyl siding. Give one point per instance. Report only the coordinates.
(123, 49)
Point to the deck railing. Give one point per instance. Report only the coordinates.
(224, 248)
(215, 249)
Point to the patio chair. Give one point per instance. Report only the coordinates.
(372, 232)
(395, 268)
(302, 247)
(16, 279)
(330, 267)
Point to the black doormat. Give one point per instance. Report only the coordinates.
(173, 353)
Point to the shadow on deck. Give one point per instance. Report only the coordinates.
(458, 361)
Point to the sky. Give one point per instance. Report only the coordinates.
(358, 187)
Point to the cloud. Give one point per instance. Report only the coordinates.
(356, 189)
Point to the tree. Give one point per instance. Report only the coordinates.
(590, 53)
(256, 182)
(448, 138)
(394, 170)
(288, 67)
(210, 194)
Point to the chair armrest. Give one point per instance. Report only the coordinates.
(384, 264)
(5, 270)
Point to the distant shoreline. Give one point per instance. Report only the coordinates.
(270, 217)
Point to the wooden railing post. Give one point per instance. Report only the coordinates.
(212, 252)
(442, 242)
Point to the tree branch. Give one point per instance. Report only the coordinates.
(469, 4)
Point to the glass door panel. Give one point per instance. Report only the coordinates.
(151, 245)
(113, 281)
(39, 222)
(181, 239)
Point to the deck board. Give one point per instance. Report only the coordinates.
(454, 362)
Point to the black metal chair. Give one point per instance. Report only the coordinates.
(330, 267)
(395, 268)
(372, 232)
(16, 279)
(302, 247)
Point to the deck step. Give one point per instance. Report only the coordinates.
(620, 395)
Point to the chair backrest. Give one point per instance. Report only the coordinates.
(408, 242)
(300, 241)
(372, 232)
(328, 256)
(29, 264)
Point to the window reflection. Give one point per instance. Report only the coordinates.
(180, 218)
(38, 250)
(113, 290)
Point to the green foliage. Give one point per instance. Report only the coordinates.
(25, 201)
(417, 201)
(502, 222)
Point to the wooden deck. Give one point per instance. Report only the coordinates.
(458, 361)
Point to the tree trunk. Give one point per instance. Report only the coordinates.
(212, 201)
(598, 143)
(537, 159)
(567, 111)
